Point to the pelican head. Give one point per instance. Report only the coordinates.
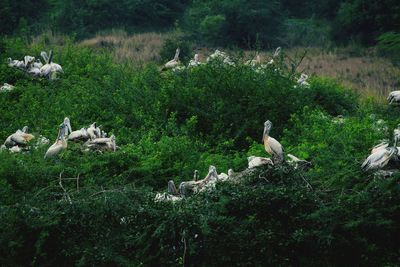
(45, 57)
(212, 171)
(196, 57)
(231, 172)
(172, 188)
(25, 129)
(267, 128)
(67, 125)
(9, 60)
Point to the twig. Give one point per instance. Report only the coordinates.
(66, 195)
(184, 249)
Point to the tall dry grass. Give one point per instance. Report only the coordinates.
(355, 67)
(134, 49)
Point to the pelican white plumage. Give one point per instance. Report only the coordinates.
(382, 145)
(61, 142)
(394, 97)
(19, 138)
(37, 64)
(94, 131)
(50, 69)
(302, 81)
(298, 163)
(16, 63)
(34, 71)
(272, 146)
(219, 56)
(254, 162)
(28, 61)
(174, 62)
(195, 61)
(7, 87)
(379, 159)
(79, 135)
(102, 144)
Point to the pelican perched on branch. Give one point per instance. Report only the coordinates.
(79, 135)
(94, 131)
(272, 146)
(379, 159)
(16, 63)
(174, 62)
(102, 144)
(50, 69)
(394, 97)
(61, 142)
(195, 61)
(7, 87)
(19, 138)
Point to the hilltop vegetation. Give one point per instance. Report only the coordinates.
(240, 23)
(168, 124)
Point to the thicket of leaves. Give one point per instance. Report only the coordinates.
(168, 124)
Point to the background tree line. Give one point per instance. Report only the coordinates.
(220, 22)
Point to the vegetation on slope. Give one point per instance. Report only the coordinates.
(168, 124)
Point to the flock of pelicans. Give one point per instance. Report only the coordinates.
(94, 139)
(34, 67)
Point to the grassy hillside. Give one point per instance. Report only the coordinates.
(168, 124)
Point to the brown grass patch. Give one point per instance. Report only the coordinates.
(135, 49)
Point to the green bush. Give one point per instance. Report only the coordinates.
(169, 124)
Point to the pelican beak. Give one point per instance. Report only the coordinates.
(264, 133)
(69, 127)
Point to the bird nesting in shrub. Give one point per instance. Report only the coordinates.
(271, 145)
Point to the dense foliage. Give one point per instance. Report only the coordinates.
(241, 23)
(168, 124)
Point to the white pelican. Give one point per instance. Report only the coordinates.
(37, 64)
(34, 71)
(219, 56)
(174, 62)
(50, 69)
(302, 81)
(272, 146)
(94, 131)
(382, 145)
(394, 96)
(16, 63)
(185, 188)
(195, 61)
(102, 144)
(61, 142)
(254, 162)
(379, 159)
(298, 163)
(19, 138)
(28, 61)
(7, 87)
(81, 134)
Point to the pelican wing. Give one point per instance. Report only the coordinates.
(54, 150)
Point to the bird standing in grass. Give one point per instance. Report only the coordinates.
(272, 146)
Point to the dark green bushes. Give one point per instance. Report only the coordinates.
(169, 124)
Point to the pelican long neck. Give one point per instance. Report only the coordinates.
(266, 133)
(176, 55)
